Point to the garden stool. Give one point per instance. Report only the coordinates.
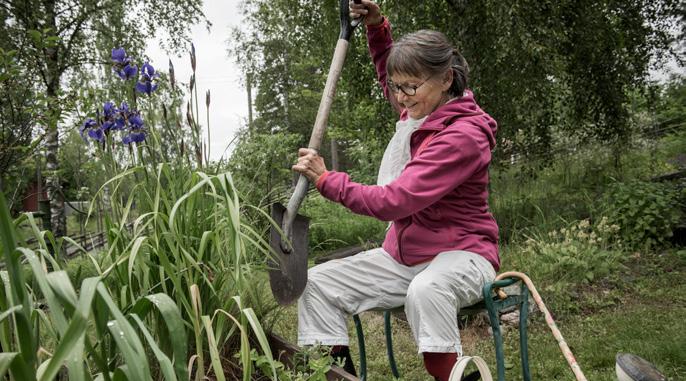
(494, 302)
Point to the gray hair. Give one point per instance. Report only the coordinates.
(427, 53)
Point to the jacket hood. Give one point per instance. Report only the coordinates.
(463, 109)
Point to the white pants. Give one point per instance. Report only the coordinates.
(432, 293)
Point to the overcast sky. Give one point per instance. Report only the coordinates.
(215, 71)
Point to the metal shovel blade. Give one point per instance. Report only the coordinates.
(288, 270)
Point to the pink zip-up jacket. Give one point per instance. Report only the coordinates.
(440, 200)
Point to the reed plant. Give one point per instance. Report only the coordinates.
(180, 288)
(189, 242)
(49, 328)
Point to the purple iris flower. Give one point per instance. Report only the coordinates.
(136, 122)
(109, 109)
(122, 64)
(87, 125)
(127, 72)
(108, 125)
(119, 56)
(148, 70)
(122, 116)
(136, 131)
(134, 137)
(145, 84)
(119, 123)
(97, 134)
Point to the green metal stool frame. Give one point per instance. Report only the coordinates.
(493, 304)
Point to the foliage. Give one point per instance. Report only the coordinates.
(647, 212)
(78, 169)
(20, 108)
(85, 326)
(189, 243)
(545, 71)
(333, 226)
(543, 193)
(670, 105)
(261, 165)
(187, 239)
(575, 254)
(309, 365)
(57, 40)
(173, 233)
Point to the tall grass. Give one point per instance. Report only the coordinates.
(176, 295)
(92, 337)
(190, 243)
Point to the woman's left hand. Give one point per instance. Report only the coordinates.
(310, 164)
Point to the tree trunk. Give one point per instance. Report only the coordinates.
(249, 88)
(58, 220)
(54, 187)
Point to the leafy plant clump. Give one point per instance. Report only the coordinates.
(93, 337)
(576, 254)
(565, 260)
(311, 364)
(646, 212)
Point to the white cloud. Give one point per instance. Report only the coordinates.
(215, 71)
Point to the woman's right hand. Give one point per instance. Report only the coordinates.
(369, 9)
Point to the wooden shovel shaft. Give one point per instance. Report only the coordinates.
(317, 132)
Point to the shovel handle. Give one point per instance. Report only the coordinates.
(316, 138)
(347, 25)
(347, 28)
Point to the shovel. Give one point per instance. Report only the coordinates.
(288, 267)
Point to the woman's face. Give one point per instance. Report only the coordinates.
(429, 93)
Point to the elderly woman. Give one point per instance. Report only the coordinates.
(442, 244)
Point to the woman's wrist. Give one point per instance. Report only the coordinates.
(375, 23)
(320, 180)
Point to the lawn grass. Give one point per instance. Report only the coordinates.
(640, 312)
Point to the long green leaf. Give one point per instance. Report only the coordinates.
(40, 277)
(71, 343)
(61, 285)
(214, 353)
(165, 364)
(5, 362)
(9, 312)
(19, 296)
(103, 186)
(135, 249)
(125, 337)
(75, 244)
(172, 215)
(245, 345)
(40, 236)
(174, 324)
(137, 364)
(261, 337)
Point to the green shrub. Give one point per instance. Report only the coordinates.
(564, 260)
(575, 254)
(646, 212)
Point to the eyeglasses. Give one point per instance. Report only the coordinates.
(409, 90)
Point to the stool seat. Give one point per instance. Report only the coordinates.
(493, 304)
